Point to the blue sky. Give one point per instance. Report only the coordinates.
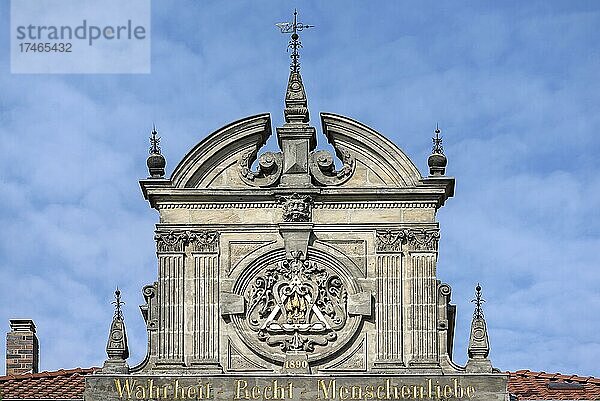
(515, 87)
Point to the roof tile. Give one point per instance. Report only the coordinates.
(65, 384)
(529, 386)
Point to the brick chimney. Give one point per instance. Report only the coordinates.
(22, 348)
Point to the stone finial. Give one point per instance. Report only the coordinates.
(437, 160)
(116, 347)
(296, 103)
(156, 161)
(296, 138)
(479, 345)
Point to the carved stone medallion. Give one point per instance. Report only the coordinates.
(296, 305)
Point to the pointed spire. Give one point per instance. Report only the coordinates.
(296, 103)
(156, 161)
(296, 138)
(479, 344)
(117, 348)
(437, 161)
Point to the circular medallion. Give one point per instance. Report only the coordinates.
(296, 305)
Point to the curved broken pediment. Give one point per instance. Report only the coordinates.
(218, 156)
(224, 159)
(379, 161)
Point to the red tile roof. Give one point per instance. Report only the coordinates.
(60, 384)
(527, 385)
(524, 384)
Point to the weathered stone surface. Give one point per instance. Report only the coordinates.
(299, 278)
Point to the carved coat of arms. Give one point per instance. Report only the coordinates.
(297, 305)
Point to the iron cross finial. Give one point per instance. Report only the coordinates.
(437, 141)
(154, 141)
(294, 44)
(118, 303)
(478, 314)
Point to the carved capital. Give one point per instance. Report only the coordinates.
(170, 241)
(390, 240)
(415, 239)
(204, 241)
(421, 239)
(178, 241)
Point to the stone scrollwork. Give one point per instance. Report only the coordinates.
(149, 309)
(296, 207)
(269, 168)
(296, 305)
(416, 239)
(322, 167)
(177, 241)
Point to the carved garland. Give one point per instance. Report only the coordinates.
(177, 241)
(417, 239)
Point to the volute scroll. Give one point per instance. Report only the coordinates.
(269, 168)
(322, 167)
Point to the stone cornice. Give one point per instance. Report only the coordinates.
(161, 192)
(273, 204)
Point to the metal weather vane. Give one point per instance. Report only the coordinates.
(294, 44)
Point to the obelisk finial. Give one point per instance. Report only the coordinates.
(296, 138)
(116, 347)
(479, 343)
(296, 103)
(294, 44)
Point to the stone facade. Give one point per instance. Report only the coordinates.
(302, 278)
